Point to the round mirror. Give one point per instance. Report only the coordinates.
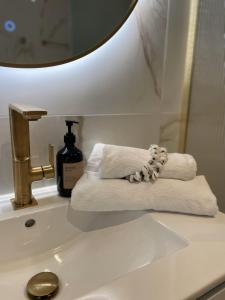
(40, 33)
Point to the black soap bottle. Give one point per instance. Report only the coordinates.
(69, 163)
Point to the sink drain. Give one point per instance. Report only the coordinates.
(30, 223)
(43, 285)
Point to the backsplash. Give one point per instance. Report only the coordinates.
(135, 131)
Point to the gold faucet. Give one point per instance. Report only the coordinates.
(23, 173)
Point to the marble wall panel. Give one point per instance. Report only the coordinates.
(122, 76)
(122, 81)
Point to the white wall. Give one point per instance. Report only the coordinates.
(127, 75)
(122, 77)
(119, 77)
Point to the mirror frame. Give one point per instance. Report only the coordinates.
(75, 57)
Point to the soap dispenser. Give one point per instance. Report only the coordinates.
(69, 163)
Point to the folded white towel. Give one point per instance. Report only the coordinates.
(113, 161)
(193, 197)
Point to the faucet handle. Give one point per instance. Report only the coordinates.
(38, 173)
(49, 171)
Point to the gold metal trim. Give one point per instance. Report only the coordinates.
(75, 57)
(29, 112)
(188, 69)
(44, 285)
(17, 206)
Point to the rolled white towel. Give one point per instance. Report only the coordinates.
(113, 161)
(193, 197)
(179, 166)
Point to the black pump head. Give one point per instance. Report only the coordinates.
(69, 124)
(69, 137)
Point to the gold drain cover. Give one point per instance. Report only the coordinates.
(44, 285)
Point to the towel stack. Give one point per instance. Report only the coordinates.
(178, 189)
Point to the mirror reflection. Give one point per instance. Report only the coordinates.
(49, 32)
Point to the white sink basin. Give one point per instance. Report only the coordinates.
(85, 250)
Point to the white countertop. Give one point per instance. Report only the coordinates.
(186, 274)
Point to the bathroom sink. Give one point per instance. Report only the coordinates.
(85, 250)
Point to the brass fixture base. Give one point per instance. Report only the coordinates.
(44, 285)
(16, 206)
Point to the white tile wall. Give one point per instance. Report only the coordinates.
(136, 131)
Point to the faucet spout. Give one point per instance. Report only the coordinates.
(23, 173)
(28, 112)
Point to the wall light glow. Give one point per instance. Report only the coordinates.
(10, 26)
(114, 79)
